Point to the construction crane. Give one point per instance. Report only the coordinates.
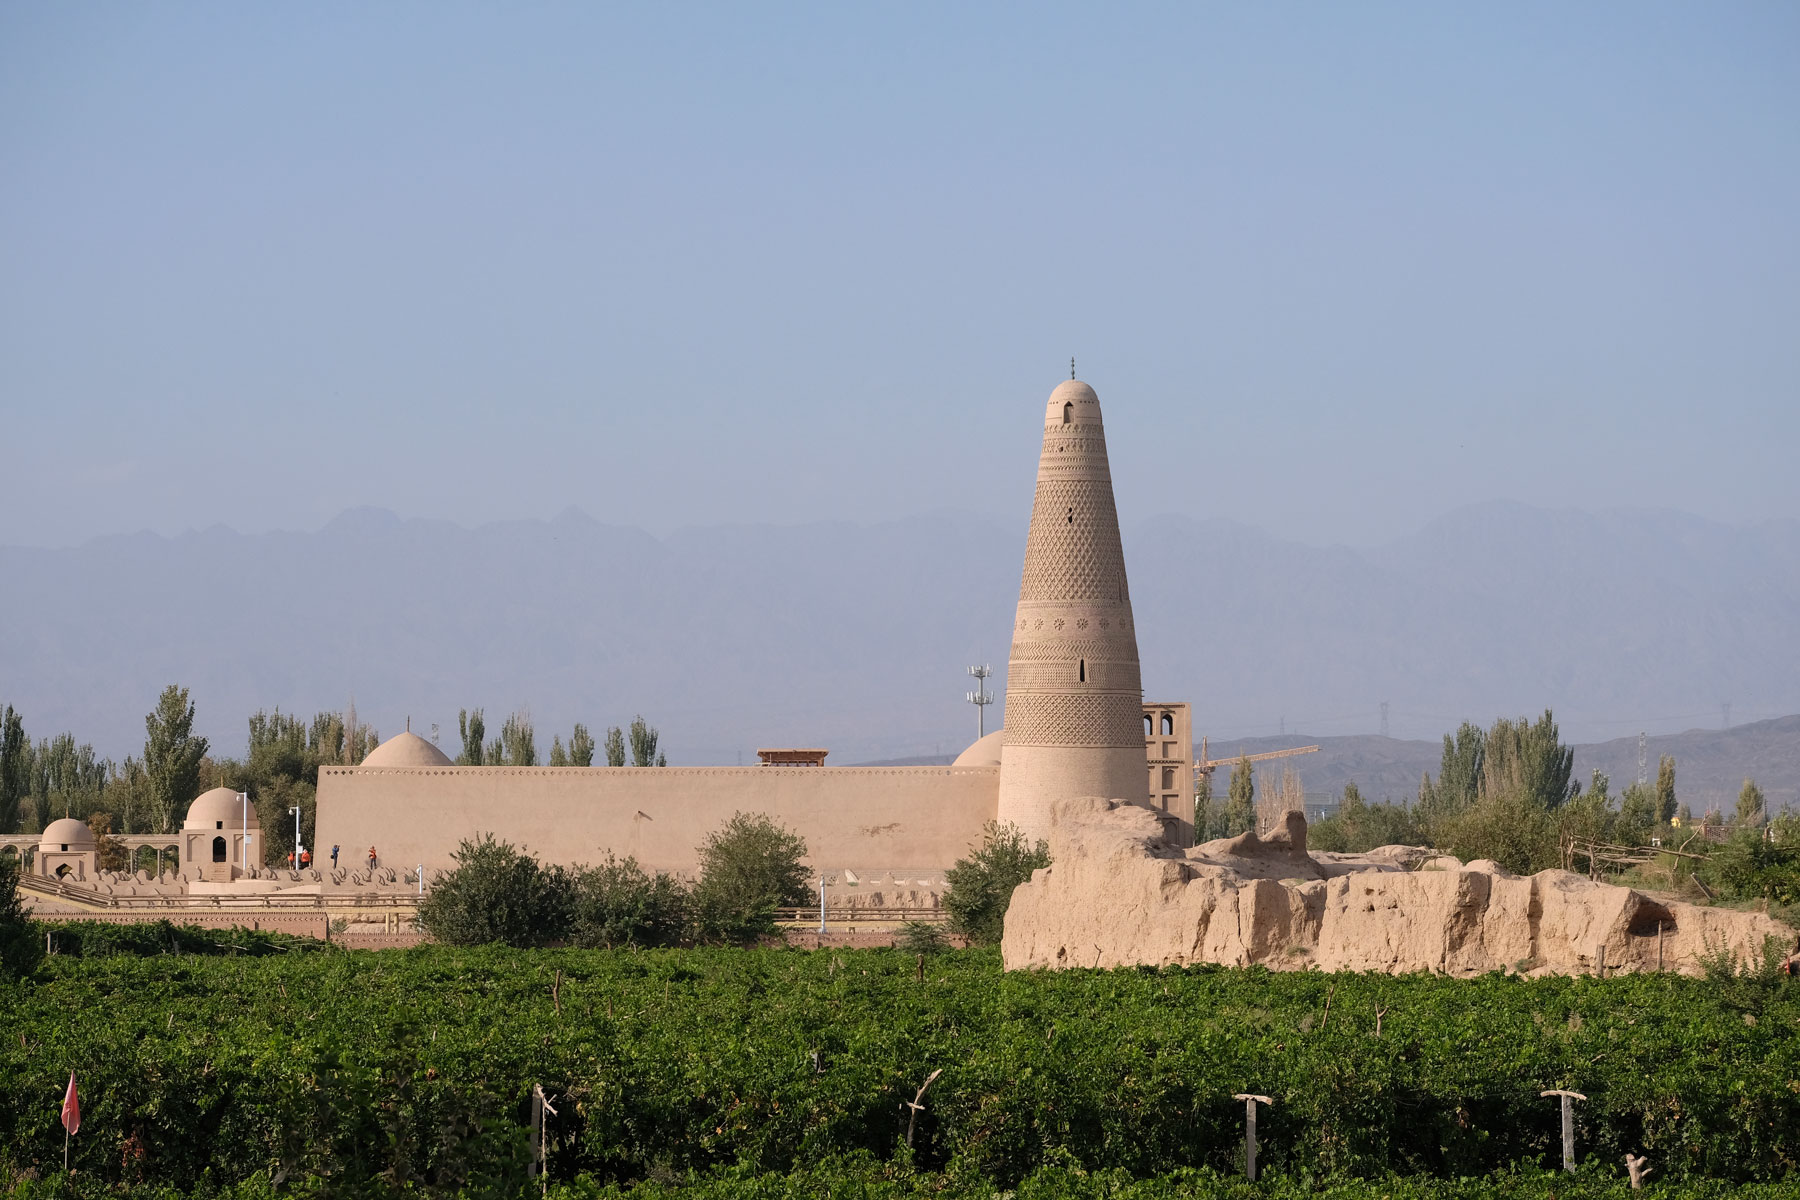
(1204, 766)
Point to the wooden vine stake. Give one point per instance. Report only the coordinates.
(540, 1137)
(1568, 1124)
(917, 1104)
(1250, 1102)
(1634, 1166)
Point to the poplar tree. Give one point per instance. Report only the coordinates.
(581, 747)
(172, 754)
(615, 747)
(519, 741)
(1240, 798)
(643, 745)
(473, 729)
(1752, 808)
(1665, 790)
(15, 768)
(558, 756)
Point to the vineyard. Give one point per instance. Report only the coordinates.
(778, 1072)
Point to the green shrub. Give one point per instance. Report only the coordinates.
(497, 894)
(104, 939)
(749, 867)
(922, 937)
(981, 885)
(618, 903)
(21, 944)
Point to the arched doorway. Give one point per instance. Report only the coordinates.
(218, 849)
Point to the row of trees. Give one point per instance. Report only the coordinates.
(149, 794)
(516, 744)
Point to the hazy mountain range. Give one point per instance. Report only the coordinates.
(855, 637)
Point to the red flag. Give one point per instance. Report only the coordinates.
(71, 1110)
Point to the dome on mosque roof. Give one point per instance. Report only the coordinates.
(1072, 400)
(220, 808)
(406, 750)
(67, 832)
(984, 752)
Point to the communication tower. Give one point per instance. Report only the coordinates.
(980, 698)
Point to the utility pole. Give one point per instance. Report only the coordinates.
(1642, 777)
(980, 698)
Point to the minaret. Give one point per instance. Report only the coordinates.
(1074, 697)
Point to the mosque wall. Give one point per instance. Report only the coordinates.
(863, 818)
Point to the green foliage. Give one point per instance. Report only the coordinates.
(1359, 826)
(1459, 775)
(581, 747)
(103, 939)
(1240, 798)
(643, 745)
(410, 1071)
(471, 728)
(981, 885)
(497, 894)
(1665, 790)
(518, 741)
(172, 754)
(749, 867)
(1757, 864)
(618, 903)
(1206, 820)
(558, 756)
(922, 937)
(1752, 806)
(615, 747)
(14, 768)
(1529, 760)
(1501, 795)
(21, 945)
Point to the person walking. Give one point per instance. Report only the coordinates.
(371, 858)
(334, 851)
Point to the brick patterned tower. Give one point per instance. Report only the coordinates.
(1074, 696)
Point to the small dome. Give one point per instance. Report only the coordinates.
(984, 752)
(406, 750)
(1072, 403)
(66, 832)
(220, 804)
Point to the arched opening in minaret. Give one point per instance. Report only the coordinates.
(1084, 670)
(1168, 724)
(1068, 412)
(1149, 729)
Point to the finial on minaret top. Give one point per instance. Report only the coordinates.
(1071, 366)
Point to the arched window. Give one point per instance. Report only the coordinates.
(1068, 412)
(1148, 726)
(1084, 670)
(219, 849)
(1169, 724)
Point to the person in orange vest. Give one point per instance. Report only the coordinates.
(290, 860)
(305, 859)
(371, 858)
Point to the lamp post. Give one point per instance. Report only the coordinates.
(244, 832)
(296, 811)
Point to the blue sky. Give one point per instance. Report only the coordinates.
(1334, 269)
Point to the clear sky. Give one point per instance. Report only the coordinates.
(1334, 268)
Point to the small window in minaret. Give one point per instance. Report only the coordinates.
(1068, 412)
(1084, 670)
(1071, 516)
(1168, 724)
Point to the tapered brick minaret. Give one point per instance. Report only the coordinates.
(1074, 697)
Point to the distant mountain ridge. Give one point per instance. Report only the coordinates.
(855, 637)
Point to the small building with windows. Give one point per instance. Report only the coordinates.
(1169, 749)
(66, 850)
(220, 838)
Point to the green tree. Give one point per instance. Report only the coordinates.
(15, 768)
(1460, 770)
(618, 903)
(1240, 798)
(1204, 817)
(21, 946)
(749, 867)
(496, 893)
(581, 747)
(172, 754)
(558, 756)
(643, 745)
(1665, 790)
(1752, 806)
(1529, 758)
(981, 884)
(615, 747)
(518, 741)
(1637, 814)
(473, 729)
